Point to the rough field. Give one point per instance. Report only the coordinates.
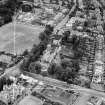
(30, 100)
(26, 36)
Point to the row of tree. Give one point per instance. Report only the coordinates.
(7, 11)
(30, 63)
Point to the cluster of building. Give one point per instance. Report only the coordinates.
(89, 30)
(26, 89)
(44, 14)
(10, 93)
(87, 26)
(92, 61)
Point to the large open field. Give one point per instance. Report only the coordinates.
(26, 36)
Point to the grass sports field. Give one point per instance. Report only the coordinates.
(26, 36)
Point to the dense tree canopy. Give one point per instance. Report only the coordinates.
(35, 68)
(52, 69)
(8, 9)
(36, 51)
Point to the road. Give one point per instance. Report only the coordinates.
(88, 91)
(13, 70)
(62, 23)
(65, 86)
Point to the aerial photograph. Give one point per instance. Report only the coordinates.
(52, 52)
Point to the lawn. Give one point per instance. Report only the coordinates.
(26, 36)
(31, 100)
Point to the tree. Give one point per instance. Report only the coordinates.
(25, 64)
(52, 69)
(65, 39)
(61, 73)
(9, 82)
(26, 8)
(42, 46)
(3, 64)
(47, 103)
(2, 103)
(35, 67)
(64, 63)
(104, 26)
(67, 74)
(34, 49)
(8, 9)
(1, 85)
(48, 30)
(86, 24)
(34, 93)
(43, 36)
(75, 41)
(25, 53)
(76, 66)
(66, 33)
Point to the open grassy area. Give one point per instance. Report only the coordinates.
(30, 100)
(26, 36)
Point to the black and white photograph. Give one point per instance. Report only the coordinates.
(52, 52)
